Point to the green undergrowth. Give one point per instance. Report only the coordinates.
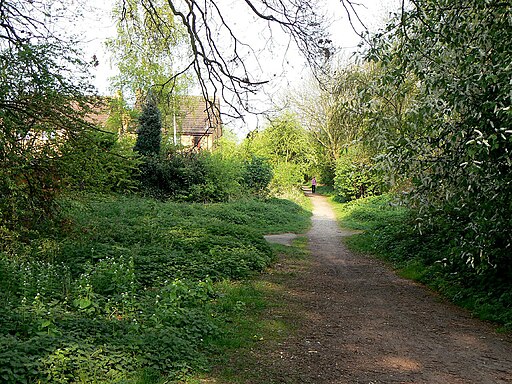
(264, 317)
(325, 190)
(428, 257)
(133, 290)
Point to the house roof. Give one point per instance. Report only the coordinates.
(198, 117)
(100, 109)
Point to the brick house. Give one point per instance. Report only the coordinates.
(198, 123)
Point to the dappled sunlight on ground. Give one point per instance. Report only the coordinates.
(358, 322)
(400, 364)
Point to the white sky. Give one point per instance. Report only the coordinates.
(283, 70)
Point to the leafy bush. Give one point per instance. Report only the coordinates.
(451, 138)
(43, 106)
(172, 175)
(257, 174)
(222, 182)
(356, 176)
(100, 162)
(371, 212)
(203, 176)
(286, 176)
(213, 177)
(288, 148)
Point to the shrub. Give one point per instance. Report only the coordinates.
(356, 176)
(149, 134)
(257, 174)
(101, 162)
(191, 176)
(43, 105)
(286, 176)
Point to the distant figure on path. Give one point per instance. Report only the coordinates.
(313, 184)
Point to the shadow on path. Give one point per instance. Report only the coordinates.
(363, 324)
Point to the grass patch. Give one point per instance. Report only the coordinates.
(389, 234)
(371, 212)
(266, 319)
(133, 290)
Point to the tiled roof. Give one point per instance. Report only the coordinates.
(100, 111)
(198, 117)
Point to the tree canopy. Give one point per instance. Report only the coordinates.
(454, 140)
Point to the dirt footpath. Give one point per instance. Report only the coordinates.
(363, 324)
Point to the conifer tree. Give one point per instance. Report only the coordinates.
(149, 133)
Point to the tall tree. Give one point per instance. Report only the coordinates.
(331, 110)
(148, 45)
(455, 143)
(149, 134)
(147, 49)
(43, 103)
(315, 105)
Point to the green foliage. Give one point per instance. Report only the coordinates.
(454, 141)
(332, 110)
(42, 106)
(286, 175)
(325, 190)
(357, 176)
(257, 174)
(285, 140)
(389, 233)
(224, 178)
(286, 145)
(191, 176)
(100, 162)
(171, 176)
(149, 133)
(371, 212)
(131, 289)
(204, 176)
(147, 44)
(122, 119)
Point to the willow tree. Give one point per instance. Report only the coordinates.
(146, 49)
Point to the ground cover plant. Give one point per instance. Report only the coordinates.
(390, 233)
(263, 320)
(131, 290)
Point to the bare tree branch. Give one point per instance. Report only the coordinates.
(217, 54)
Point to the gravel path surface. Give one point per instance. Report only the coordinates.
(363, 324)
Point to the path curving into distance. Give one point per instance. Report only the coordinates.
(364, 324)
